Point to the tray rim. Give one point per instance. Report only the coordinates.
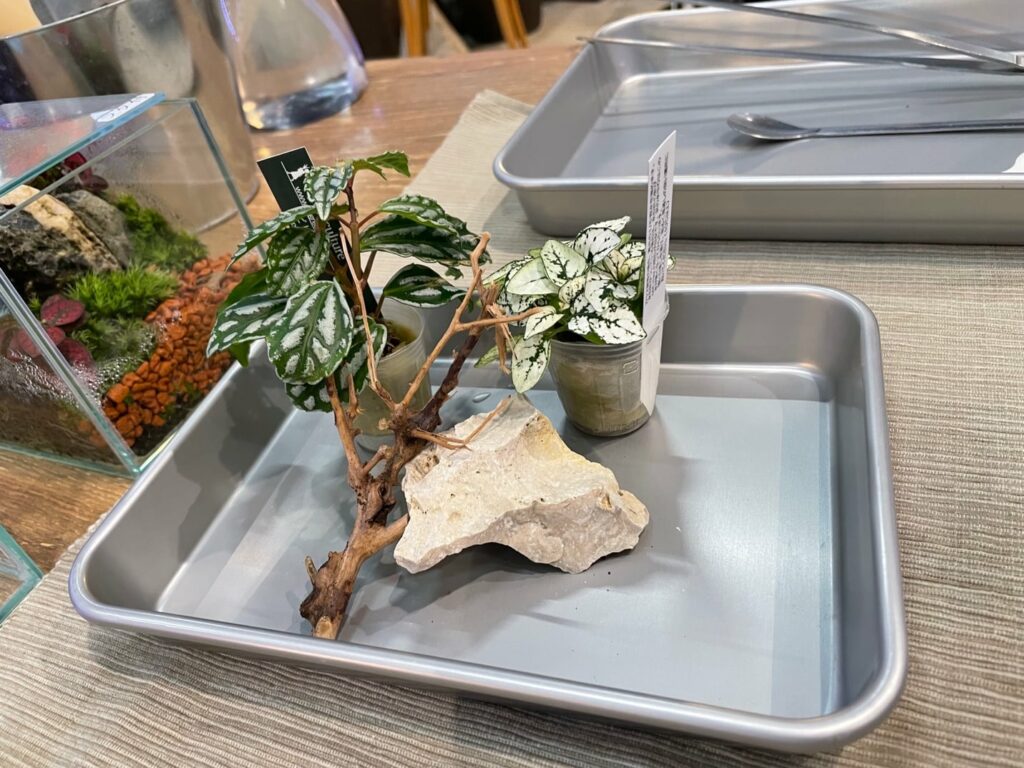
(890, 182)
(822, 732)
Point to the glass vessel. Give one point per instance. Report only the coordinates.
(18, 574)
(607, 389)
(296, 60)
(117, 220)
(396, 371)
(102, 47)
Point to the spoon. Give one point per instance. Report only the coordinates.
(770, 129)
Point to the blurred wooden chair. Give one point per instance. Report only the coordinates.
(416, 22)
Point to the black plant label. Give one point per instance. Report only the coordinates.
(285, 174)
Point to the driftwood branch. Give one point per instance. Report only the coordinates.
(413, 430)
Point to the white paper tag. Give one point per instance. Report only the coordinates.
(661, 172)
(112, 114)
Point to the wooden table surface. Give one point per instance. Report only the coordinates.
(411, 104)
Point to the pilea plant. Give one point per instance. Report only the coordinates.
(587, 289)
(325, 335)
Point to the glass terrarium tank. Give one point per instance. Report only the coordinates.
(117, 222)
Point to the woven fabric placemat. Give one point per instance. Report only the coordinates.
(952, 324)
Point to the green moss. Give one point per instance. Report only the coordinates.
(118, 345)
(129, 294)
(154, 241)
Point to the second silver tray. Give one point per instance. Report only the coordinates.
(762, 604)
(582, 154)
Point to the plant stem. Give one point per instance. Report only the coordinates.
(333, 582)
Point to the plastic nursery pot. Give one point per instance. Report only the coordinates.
(396, 372)
(607, 389)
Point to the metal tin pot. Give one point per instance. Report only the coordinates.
(607, 389)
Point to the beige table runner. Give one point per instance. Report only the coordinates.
(952, 322)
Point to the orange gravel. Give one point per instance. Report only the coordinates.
(178, 373)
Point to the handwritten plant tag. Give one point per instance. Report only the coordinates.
(661, 171)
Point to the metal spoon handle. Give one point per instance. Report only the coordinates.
(769, 129)
(980, 52)
(958, 126)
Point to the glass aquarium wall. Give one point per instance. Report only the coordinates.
(117, 220)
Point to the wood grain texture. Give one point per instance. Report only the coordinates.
(409, 105)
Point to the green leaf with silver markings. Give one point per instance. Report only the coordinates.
(253, 283)
(295, 258)
(421, 287)
(393, 160)
(402, 237)
(261, 232)
(315, 397)
(531, 280)
(323, 184)
(311, 397)
(425, 211)
(561, 262)
(544, 320)
(251, 318)
(357, 362)
(529, 360)
(313, 335)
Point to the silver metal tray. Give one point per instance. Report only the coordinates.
(581, 155)
(762, 605)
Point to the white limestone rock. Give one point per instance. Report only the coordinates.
(517, 484)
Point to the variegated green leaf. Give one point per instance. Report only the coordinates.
(396, 161)
(529, 360)
(544, 320)
(533, 253)
(502, 272)
(622, 268)
(248, 319)
(261, 232)
(402, 237)
(296, 257)
(315, 397)
(572, 288)
(617, 325)
(531, 280)
(310, 397)
(488, 357)
(253, 283)
(594, 243)
(323, 184)
(425, 211)
(513, 303)
(421, 287)
(624, 291)
(357, 362)
(561, 262)
(580, 312)
(313, 335)
(598, 290)
(616, 225)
